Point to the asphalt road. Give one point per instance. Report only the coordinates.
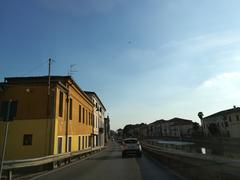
(109, 165)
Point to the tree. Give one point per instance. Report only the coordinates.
(126, 130)
(196, 126)
(200, 115)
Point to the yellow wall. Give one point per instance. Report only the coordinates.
(32, 100)
(32, 118)
(75, 128)
(15, 148)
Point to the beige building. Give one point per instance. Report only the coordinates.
(176, 127)
(98, 119)
(225, 123)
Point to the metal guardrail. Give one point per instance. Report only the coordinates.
(52, 160)
(213, 164)
(188, 154)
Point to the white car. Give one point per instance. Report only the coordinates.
(131, 146)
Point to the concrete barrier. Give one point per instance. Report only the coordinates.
(196, 166)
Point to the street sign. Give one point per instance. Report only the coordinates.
(8, 110)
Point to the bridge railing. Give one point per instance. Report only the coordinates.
(49, 162)
(194, 165)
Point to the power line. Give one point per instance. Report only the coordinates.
(35, 67)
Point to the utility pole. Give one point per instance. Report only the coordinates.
(5, 137)
(49, 75)
(49, 108)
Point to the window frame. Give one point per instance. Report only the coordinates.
(70, 108)
(25, 141)
(60, 104)
(79, 113)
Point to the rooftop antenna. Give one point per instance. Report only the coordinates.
(71, 69)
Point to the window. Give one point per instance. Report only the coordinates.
(97, 122)
(89, 118)
(89, 141)
(92, 120)
(230, 119)
(79, 143)
(86, 141)
(83, 115)
(69, 144)
(86, 117)
(60, 110)
(83, 145)
(27, 139)
(237, 117)
(79, 113)
(70, 109)
(226, 124)
(59, 145)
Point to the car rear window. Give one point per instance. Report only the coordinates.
(132, 141)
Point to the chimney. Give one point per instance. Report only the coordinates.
(234, 107)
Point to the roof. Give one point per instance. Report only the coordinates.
(35, 79)
(43, 79)
(180, 120)
(95, 94)
(158, 121)
(224, 112)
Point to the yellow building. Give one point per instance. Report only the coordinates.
(50, 119)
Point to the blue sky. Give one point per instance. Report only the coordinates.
(147, 60)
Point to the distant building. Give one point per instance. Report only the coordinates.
(98, 116)
(225, 123)
(155, 128)
(137, 131)
(50, 119)
(176, 127)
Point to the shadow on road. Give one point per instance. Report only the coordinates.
(158, 171)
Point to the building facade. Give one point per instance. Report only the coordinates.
(52, 118)
(98, 119)
(155, 128)
(177, 127)
(225, 123)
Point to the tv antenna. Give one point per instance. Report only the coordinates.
(72, 69)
